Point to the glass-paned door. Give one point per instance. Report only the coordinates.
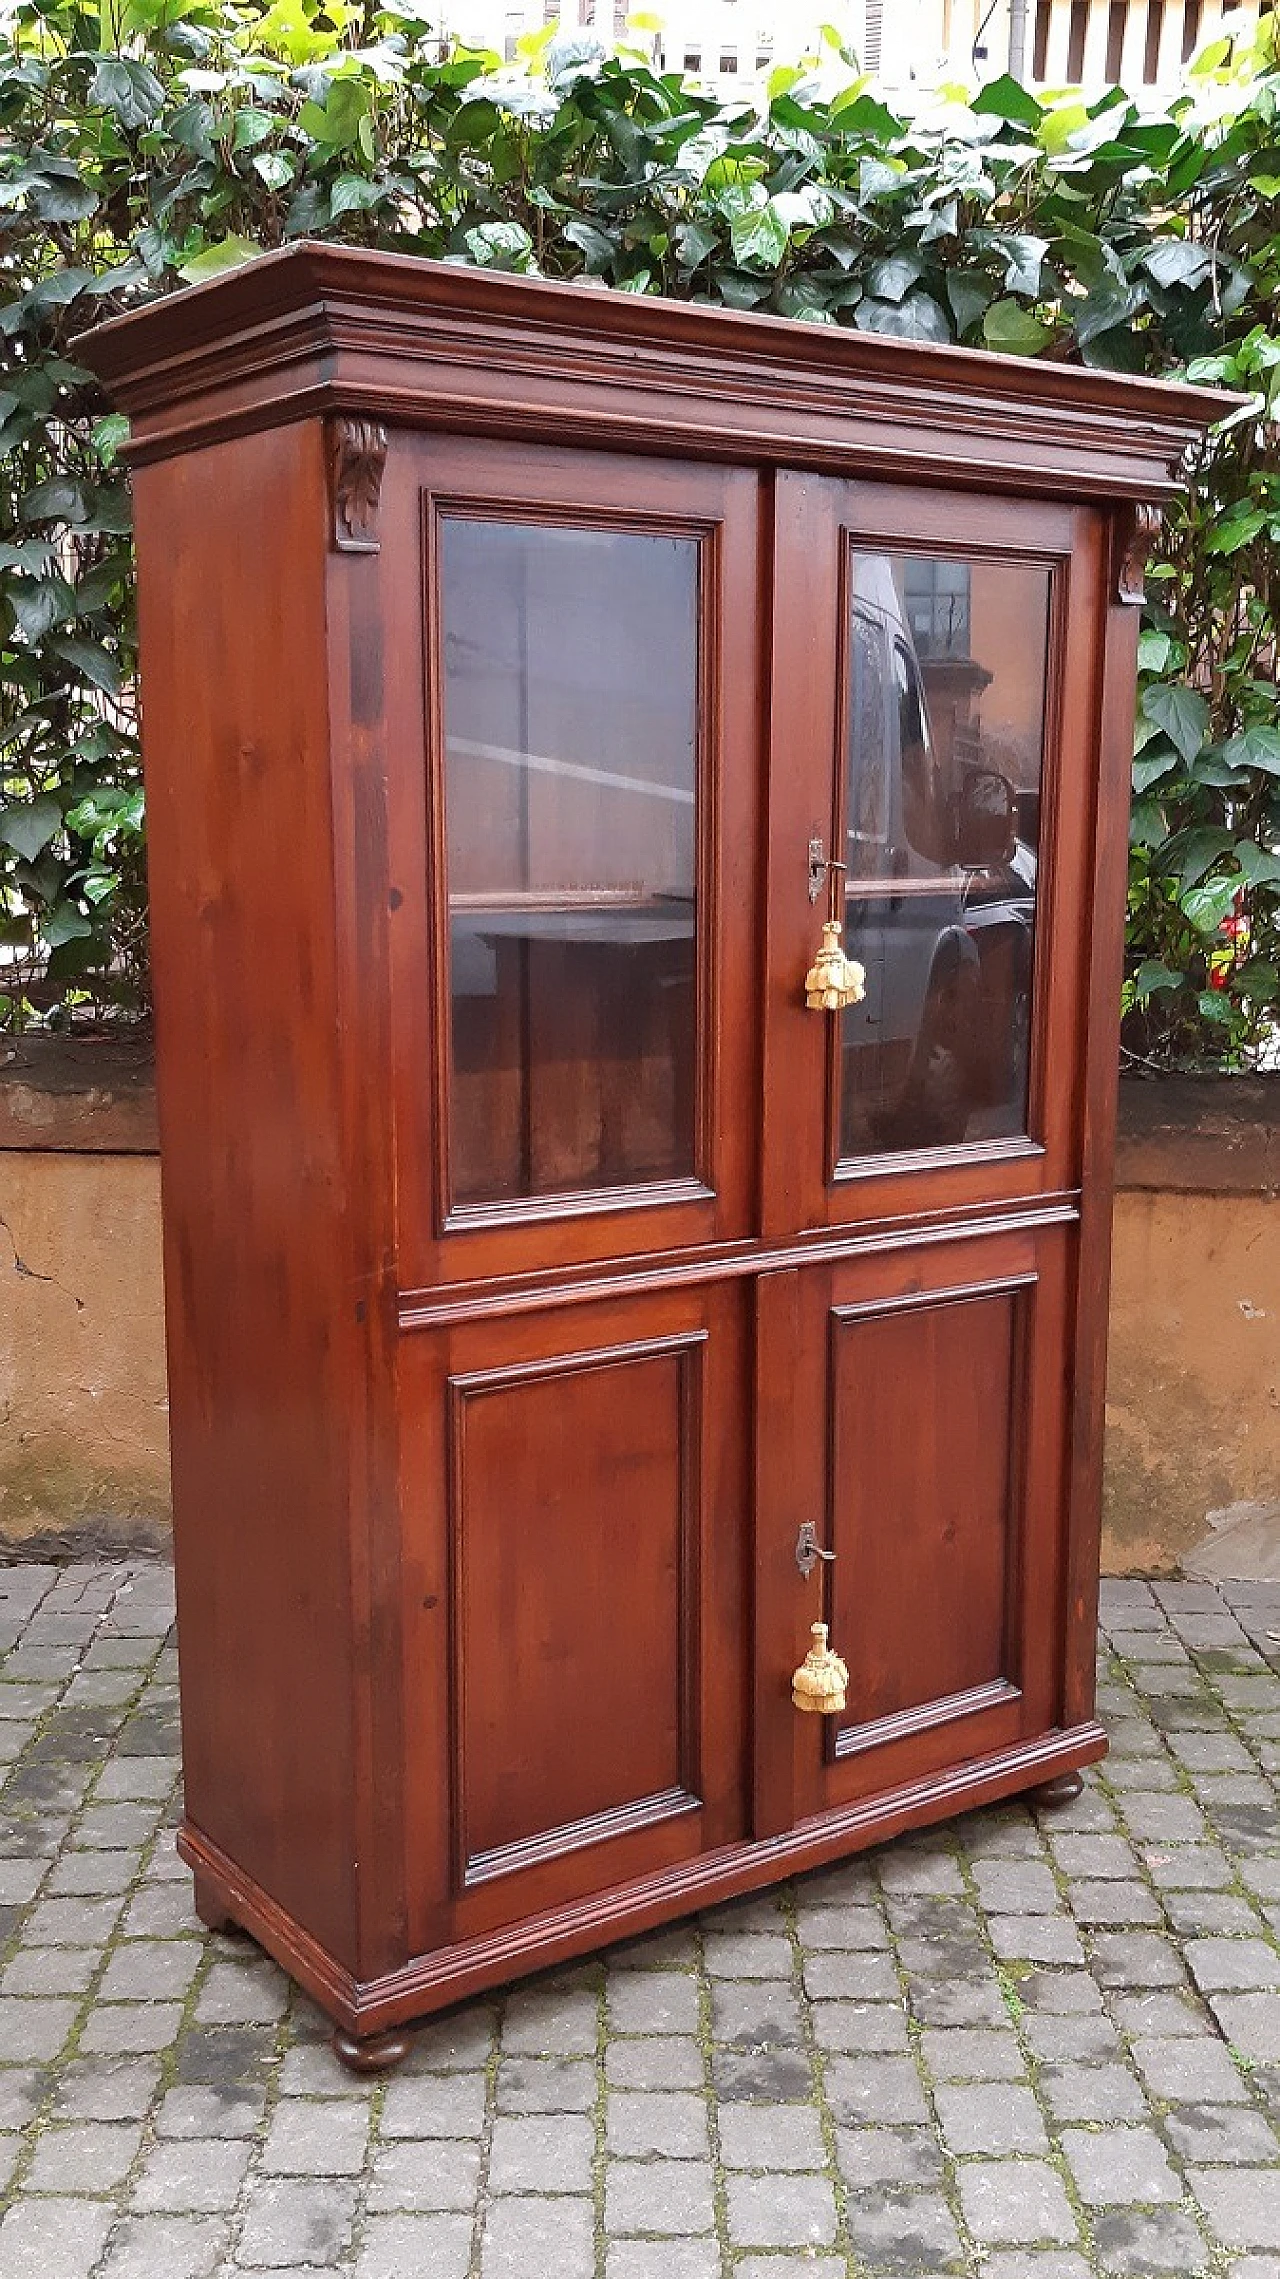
(575, 1027)
(931, 793)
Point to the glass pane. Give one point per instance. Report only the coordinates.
(570, 720)
(945, 729)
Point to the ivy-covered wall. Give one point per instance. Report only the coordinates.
(149, 143)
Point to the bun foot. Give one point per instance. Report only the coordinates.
(1059, 1791)
(209, 1907)
(375, 2053)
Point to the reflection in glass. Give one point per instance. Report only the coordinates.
(570, 721)
(945, 745)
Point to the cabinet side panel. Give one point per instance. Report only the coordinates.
(261, 1335)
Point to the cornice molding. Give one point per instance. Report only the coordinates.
(391, 339)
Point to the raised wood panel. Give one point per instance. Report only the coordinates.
(925, 1495)
(574, 1500)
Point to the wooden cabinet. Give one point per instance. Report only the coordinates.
(563, 1314)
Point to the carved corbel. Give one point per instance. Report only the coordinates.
(357, 456)
(1137, 530)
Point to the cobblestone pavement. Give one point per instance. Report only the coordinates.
(1032, 2048)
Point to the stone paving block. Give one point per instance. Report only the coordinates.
(71, 1922)
(1250, 2023)
(865, 2026)
(1018, 1887)
(83, 2156)
(287, 2223)
(876, 2156)
(191, 2176)
(242, 1994)
(432, 2179)
(1093, 2093)
(781, 2211)
(39, 2238)
(1230, 1965)
(749, 1954)
(1227, 2134)
(690, 2259)
(33, 2028)
(674, 2122)
(311, 2139)
(852, 1977)
(127, 2027)
(1120, 2166)
(656, 2062)
(545, 2023)
(541, 2152)
(1093, 1857)
(1197, 1914)
(961, 2053)
(434, 2105)
(528, 2236)
(50, 1970)
(882, 2090)
(1242, 2204)
(966, 2002)
(1191, 2069)
(1014, 2202)
(774, 2138)
(824, 1923)
(201, 2113)
(761, 2016)
(146, 1970)
(1077, 2037)
(772, 2073)
(665, 2198)
(649, 2002)
(1136, 1958)
(1036, 1938)
(990, 2117)
(1035, 2263)
(166, 2247)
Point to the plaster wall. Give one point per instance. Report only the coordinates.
(84, 1454)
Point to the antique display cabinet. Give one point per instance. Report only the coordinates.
(577, 1286)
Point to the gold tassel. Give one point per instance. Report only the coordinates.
(833, 980)
(819, 1683)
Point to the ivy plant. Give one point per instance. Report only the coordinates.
(146, 144)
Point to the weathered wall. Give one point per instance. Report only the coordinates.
(1193, 1386)
(84, 1455)
(1193, 1405)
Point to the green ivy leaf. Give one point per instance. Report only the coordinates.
(1011, 329)
(1206, 906)
(1260, 865)
(1149, 771)
(131, 90)
(759, 237)
(1181, 712)
(228, 253)
(29, 827)
(1152, 976)
(65, 924)
(1256, 748)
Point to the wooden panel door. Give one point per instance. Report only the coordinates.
(577, 1574)
(924, 1441)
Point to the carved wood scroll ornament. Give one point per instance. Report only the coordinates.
(357, 456)
(1138, 531)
